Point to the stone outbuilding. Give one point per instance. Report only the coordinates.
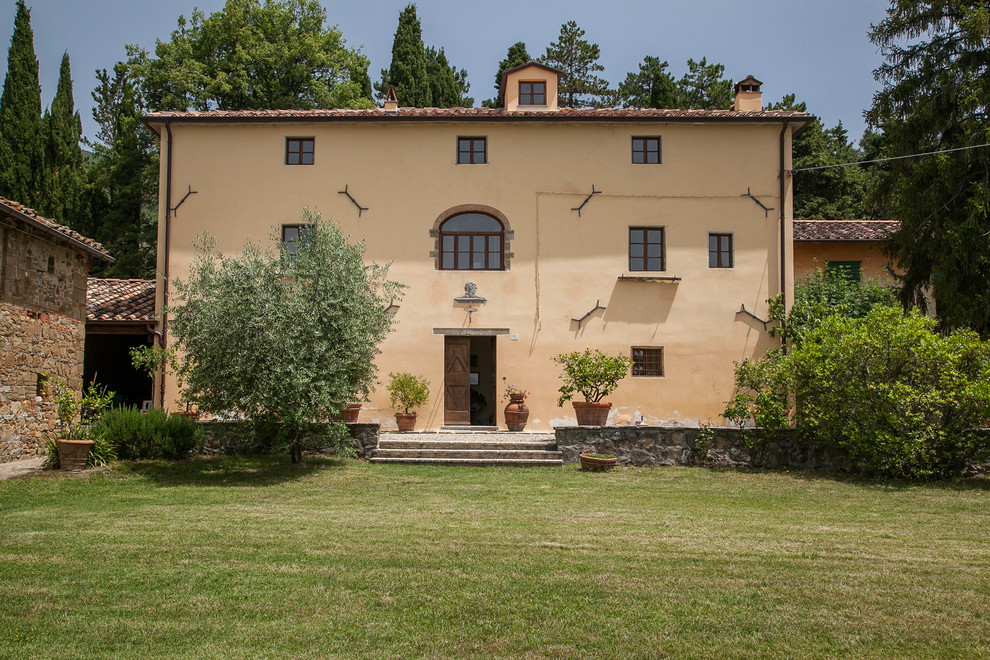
(43, 278)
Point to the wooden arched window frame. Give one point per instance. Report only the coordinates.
(471, 237)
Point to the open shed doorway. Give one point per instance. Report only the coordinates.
(469, 381)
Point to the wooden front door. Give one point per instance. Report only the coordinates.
(457, 380)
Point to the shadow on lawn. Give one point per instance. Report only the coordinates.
(954, 483)
(256, 471)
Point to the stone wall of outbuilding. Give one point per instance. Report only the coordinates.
(42, 331)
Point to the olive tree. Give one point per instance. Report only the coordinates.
(286, 335)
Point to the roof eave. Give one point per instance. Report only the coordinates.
(32, 222)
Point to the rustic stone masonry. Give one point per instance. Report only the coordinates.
(42, 331)
(655, 446)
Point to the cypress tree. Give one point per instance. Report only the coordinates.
(63, 156)
(409, 72)
(517, 55)
(443, 85)
(21, 127)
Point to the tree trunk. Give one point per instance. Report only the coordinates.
(296, 452)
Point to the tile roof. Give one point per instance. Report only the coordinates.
(30, 216)
(843, 230)
(572, 114)
(120, 300)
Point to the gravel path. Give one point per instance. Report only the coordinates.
(17, 468)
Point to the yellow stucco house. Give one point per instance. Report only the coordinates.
(521, 232)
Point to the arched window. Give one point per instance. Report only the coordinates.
(472, 241)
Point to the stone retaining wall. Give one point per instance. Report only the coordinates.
(230, 437)
(655, 446)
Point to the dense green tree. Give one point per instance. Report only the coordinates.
(703, 87)
(935, 95)
(253, 55)
(409, 72)
(421, 75)
(122, 181)
(22, 143)
(651, 87)
(448, 85)
(578, 61)
(286, 337)
(517, 55)
(835, 193)
(64, 175)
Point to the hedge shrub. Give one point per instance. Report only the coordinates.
(154, 434)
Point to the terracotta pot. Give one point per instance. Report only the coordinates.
(516, 413)
(596, 464)
(349, 415)
(405, 421)
(591, 414)
(73, 454)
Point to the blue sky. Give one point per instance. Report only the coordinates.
(817, 50)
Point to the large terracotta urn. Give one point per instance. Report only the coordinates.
(516, 413)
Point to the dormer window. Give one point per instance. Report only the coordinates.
(533, 92)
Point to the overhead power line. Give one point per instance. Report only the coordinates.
(884, 160)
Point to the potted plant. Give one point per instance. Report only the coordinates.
(75, 418)
(595, 375)
(408, 391)
(597, 462)
(516, 413)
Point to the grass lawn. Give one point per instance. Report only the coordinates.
(247, 557)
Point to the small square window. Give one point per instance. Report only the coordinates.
(533, 93)
(646, 248)
(472, 150)
(850, 270)
(720, 250)
(647, 361)
(299, 151)
(292, 235)
(646, 150)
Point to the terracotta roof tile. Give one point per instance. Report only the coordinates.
(120, 300)
(843, 230)
(7, 207)
(477, 113)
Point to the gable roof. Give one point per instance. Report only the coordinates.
(844, 230)
(120, 300)
(30, 217)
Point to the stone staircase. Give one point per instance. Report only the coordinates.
(462, 447)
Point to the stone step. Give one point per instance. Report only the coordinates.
(476, 462)
(385, 442)
(468, 447)
(430, 452)
(470, 436)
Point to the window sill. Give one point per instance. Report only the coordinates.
(651, 278)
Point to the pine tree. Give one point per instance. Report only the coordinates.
(21, 127)
(703, 87)
(578, 60)
(517, 55)
(63, 155)
(936, 91)
(409, 71)
(651, 87)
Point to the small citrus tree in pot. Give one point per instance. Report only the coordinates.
(594, 375)
(408, 391)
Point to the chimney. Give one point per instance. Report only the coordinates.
(749, 98)
(391, 103)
